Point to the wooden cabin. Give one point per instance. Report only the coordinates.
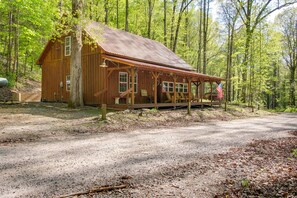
(122, 70)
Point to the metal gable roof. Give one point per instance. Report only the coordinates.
(121, 43)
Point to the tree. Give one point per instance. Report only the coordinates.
(230, 16)
(288, 22)
(252, 12)
(165, 22)
(76, 88)
(150, 14)
(106, 11)
(127, 17)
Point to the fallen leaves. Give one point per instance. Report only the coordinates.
(268, 170)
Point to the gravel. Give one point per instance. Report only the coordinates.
(55, 166)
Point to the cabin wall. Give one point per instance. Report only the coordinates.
(97, 88)
(56, 66)
(145, 81)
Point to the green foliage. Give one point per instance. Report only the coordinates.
(28, 23)
(245, 183)
(294, 152)
(291, 110)
(10, 77)
(154, 110)
(40, 20)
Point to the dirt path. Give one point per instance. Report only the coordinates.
(52, 167)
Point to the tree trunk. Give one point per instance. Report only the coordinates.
(117, 14)
(205, 32)
(245, 65)
(165, 23)
(199, 43)
(9, 46)
(16, 46)
(76, 88)
(230, 62)
(178, 25)
(292, 86)
(186, 38)
(25, 63)
(127, 15)
(150, 12)
(172, 23)
(199, 39)
(106, 12)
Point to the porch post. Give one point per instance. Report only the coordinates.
(201, 91)
(155, 75)
(189, 96)
(174, 90)
(211, 94)
(133, 82)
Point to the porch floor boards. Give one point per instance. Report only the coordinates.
(152, 105)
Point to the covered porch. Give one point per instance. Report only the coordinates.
(153, 85)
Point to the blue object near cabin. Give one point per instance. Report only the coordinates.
(3, 82)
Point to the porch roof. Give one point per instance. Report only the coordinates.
(159, 68)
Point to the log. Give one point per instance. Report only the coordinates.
(94, 190)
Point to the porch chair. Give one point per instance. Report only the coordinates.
(193, 98)
(169, 98)
(183, 97)
(180, 97)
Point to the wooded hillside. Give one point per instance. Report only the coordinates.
(258, 57)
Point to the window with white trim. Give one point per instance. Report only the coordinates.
(186, 88)
(135, 82)
(123, 82)
(171, 87)
(181, 87)
(176, 87)
(165, 86)
(68, 83)
(67, 45)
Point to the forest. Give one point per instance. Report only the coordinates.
(238, 40)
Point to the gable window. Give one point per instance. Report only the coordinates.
(135, 82)
(67, 46)
(123, 82)
(68, 83)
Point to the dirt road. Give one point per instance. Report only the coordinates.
(50, 167)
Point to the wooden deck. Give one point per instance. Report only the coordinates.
(152, 105)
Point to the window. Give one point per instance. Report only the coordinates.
(67, 46)
(165, 86)
(176, 87)
(170, 87)
(185, 88)
(68, 83)
(123, 82)
(135, 82)
(181, 87)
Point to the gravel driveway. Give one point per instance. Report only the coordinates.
(51, 167)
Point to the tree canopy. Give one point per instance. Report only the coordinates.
(257, 57)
